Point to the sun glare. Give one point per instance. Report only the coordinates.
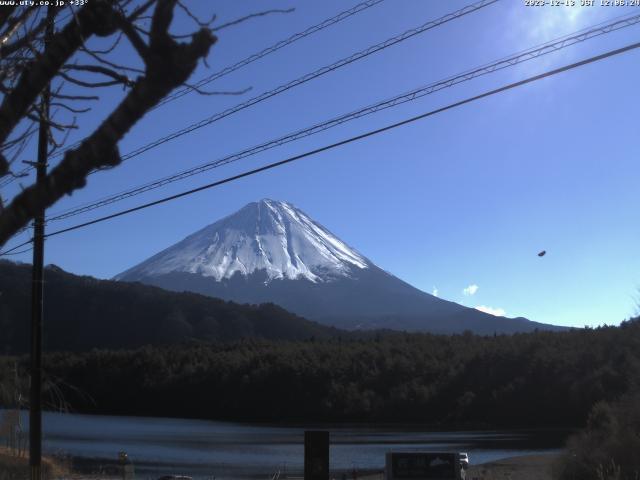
(550, 23)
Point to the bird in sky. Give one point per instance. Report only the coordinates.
(542, 253)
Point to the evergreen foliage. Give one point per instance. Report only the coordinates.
(83, 313)
(535, 379)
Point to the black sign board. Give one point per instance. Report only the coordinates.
(316, 455)
(423, 466)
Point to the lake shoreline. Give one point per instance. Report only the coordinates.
(522, 467)
(317, 424)
(90, 445)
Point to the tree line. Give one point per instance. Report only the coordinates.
(534, 379)
(83, 313)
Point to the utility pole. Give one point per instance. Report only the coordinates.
(37, 286)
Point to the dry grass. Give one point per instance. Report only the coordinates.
(17, 468)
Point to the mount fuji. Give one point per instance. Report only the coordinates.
(270, 251)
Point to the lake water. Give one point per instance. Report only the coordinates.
(225, 450)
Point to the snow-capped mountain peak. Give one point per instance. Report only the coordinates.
(270, 251)
(268, 235)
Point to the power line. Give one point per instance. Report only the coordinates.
(273, 48)
(309, 76)
(256, 56)
(370, 133)
(9, 251)
(18, 253)
(236, 66)
(317, 73)
(522, 56)
(11, 178)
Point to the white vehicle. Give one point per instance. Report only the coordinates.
(464, 460)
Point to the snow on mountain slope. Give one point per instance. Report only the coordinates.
(270, 251)
(268, 235)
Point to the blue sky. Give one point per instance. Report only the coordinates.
(463, 199)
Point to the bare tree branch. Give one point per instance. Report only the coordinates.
(70, 109)
(138, 12)
(253, 15)
(136, 40)
(14, 24)
(107, 50)
(5, 13)
(50, 123)
(117, 77)
(216, 92)
(82, 83)
(168, 65)
(198, 22)
(94, 18)
(28, 132)
(74, 97)
(111, 64)
(31, 35)
(57, 145)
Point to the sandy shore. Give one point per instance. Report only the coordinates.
(530, 467)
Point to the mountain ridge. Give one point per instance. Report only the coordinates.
(306, 270)
(83, 312)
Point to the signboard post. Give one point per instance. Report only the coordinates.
(316, 455)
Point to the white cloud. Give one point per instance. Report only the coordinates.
(470, 290)
(498, 312)
(435, 291)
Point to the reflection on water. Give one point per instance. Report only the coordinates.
(231, 450)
